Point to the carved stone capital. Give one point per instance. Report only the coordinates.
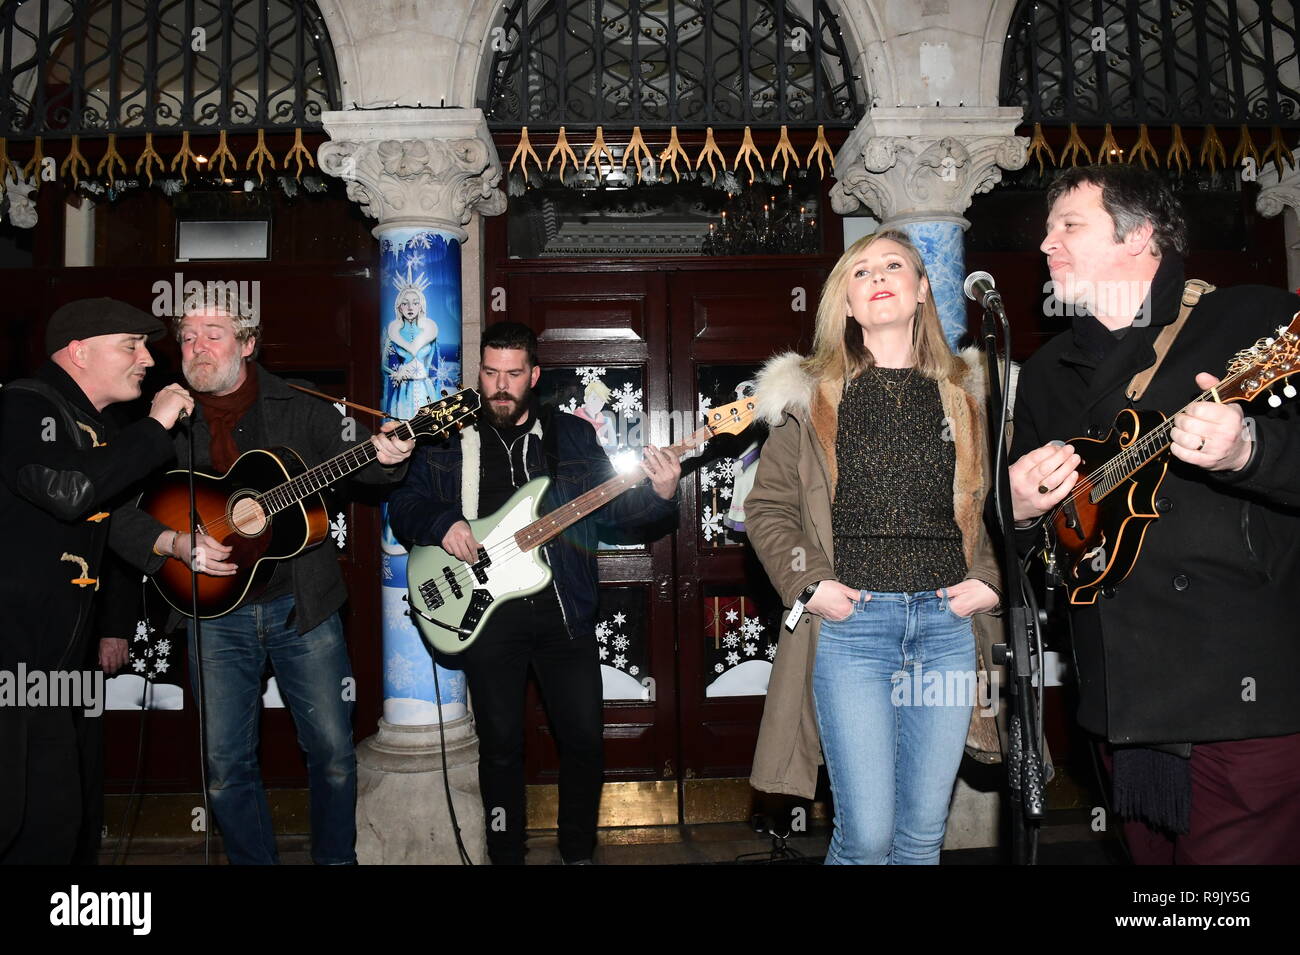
(1278, 193)
(925, 163)
(22, 200)
(415, 167)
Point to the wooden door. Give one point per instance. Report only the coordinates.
(664, 338)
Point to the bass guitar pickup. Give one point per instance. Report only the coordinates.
(480, 568)
(450, 576)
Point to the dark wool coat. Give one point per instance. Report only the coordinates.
(1199, 643)
(62, 470)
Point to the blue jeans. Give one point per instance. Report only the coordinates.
(893, 685)
(310, 670)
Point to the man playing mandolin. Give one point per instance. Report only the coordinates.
(293, 620)
(1185, 666)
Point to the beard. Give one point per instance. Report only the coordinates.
(508, 415)
(208, 377)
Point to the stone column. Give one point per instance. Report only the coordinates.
(1281, 194)
(423, 173)
(917, 169)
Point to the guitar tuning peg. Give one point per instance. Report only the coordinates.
(1289, 390)
(1274, 401)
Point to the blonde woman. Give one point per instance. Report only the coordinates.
(867, 512)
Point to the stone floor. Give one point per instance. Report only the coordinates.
(1065, 839)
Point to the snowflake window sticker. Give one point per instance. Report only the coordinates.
(736, 635)
(339, 530)
(621, 649)
(149, 658)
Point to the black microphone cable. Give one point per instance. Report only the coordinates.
(446, 778)
(197, 662)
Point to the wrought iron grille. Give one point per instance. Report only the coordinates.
(1158, 62)
(658, 63)
(94, 67)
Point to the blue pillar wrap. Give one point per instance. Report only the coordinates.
(944, 252)
(419, 353)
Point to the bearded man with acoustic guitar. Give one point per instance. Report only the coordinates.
(1186, 664)
(293, 620)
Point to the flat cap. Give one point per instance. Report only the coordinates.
(88, 317)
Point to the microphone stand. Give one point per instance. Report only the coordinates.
(1024, 754)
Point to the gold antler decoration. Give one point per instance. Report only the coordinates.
(565, 152)
(148, 158)
(1279, 151)
(711, 150)
(1109, 151)
(73, 159)
(184, 156)
(785, 151)
(38, 156)
(111, 156)
(261, 154)
(672, 152)
(1178, 152)
(748, 150)
(523, 152)
(1143, 148)
(637, 150)
(1038, 145)
(298, 152)
(1073, 146)
(598, 149)
(1212, 152)
(1245, 147)
(820, 147)
(222, 156)
(6, 165)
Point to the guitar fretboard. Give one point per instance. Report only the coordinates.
(546, 528)
(327, 473)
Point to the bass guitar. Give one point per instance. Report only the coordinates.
(1095, 535)
(268, 508)
(451, 600)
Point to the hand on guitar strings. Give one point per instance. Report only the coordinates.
(209, 557)
(1041, 479)
(1211, 435)
(663, 469)
(460, 543)
(389, 450)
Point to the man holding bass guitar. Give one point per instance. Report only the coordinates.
(554, 629)
(293, 620)
(1186, 666)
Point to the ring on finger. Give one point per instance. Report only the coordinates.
(1202, 445)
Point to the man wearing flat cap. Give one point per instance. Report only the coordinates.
(63, 470)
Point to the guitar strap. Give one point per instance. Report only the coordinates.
(1193, 289)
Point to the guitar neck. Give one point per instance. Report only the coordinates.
(553, 524)
(328, 472)
(1152, 444)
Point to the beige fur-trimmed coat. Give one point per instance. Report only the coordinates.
(788, 520)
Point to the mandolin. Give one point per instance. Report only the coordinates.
(268, 508)
(1095, 535)
(451, 600)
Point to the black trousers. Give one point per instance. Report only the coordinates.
(52, 812)
(527, 631)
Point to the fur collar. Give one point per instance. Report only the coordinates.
(784, 386)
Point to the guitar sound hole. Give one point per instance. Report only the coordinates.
(248, 517)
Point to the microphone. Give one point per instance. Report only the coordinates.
(980, 287)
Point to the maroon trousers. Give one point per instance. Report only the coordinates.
(1245, 807)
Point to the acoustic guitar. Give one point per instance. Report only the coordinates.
(268, 508)
(451, 600)
(1095, 535)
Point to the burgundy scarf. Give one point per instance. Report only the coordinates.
(222, 414)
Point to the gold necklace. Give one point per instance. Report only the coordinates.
(889, 388)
